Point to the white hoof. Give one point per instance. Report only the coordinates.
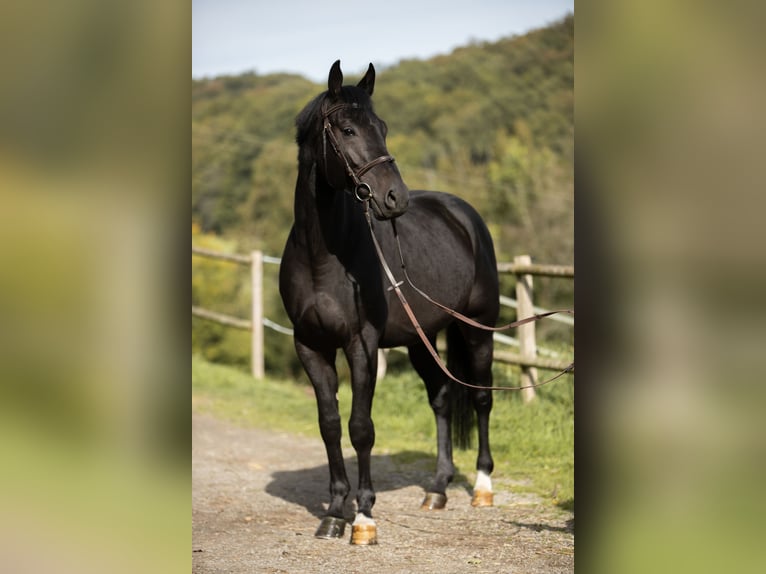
(364, 531)
(482, 490)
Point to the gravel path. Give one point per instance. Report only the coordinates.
(258, 496)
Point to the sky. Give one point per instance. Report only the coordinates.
(307, 36)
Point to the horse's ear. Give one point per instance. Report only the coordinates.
(368, 82)
(335, 81)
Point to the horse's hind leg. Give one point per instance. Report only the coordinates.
(321, 370)
(438, 396)
(480, 348)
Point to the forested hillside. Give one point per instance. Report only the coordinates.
(490, 122)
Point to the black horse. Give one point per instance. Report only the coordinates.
(335, 293)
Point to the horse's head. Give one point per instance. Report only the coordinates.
(350, 152)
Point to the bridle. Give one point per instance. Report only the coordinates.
(362, 191)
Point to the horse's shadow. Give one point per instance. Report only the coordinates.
(308, 487)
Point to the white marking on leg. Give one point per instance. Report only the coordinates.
(483, 482)
(362, 519)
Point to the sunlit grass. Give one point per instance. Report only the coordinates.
(533, 444)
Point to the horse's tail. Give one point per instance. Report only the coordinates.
(463, 413)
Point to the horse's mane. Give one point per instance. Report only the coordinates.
(308, 122)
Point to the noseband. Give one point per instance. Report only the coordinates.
(362, 191)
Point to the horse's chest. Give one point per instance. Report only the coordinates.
(325, 308)
(330, 304)
(327, 316)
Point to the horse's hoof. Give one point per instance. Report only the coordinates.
(364, 534)
(331, 527)
(482, 498)
(434, 501)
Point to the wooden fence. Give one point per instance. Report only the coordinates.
(522, 267)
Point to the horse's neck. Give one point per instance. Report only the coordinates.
(322, 220)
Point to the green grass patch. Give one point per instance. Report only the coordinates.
(533, 444)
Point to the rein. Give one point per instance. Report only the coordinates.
(362, 191)
(395, 285)
(460, 316)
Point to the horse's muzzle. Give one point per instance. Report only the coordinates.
(393, 204)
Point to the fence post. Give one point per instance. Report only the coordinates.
(526, 333)
(382, 364)
(256, 274)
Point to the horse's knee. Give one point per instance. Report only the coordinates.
(362, 432)
(330, 428)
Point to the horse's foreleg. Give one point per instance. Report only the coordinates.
(321, 370)
(362, 359)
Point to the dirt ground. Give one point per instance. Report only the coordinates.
(258, 497)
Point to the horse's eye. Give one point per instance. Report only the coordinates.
(348, 131)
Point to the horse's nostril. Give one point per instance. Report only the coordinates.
(390, 200)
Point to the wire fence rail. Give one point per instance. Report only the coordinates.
(530, 357)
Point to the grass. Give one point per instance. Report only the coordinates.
(533, 444)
